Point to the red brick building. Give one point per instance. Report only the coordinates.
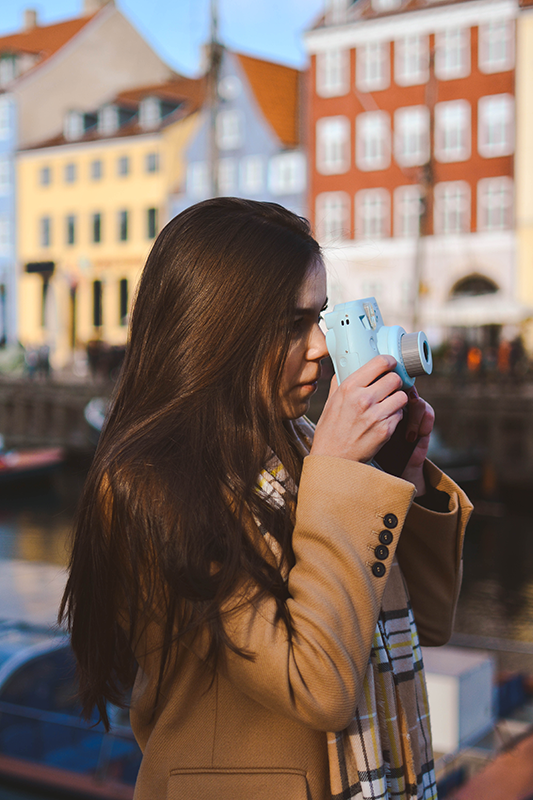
(412, 126)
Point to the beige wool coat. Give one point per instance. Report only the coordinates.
(256, 729)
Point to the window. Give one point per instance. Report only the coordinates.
(198, 182)
(407, 210)
(45, 176)
(332, 73)
(150, 112)
(8, 69)
(251, 174)
(372, 214)
(70, 229)
(332, 145)
(385, 5)
(74, 125)
(97, 228)
(411, 60)
(372, 140)
(5, 174)
(495, 204)
(227, 176)
(97, 304)
(123, 166)
(452, 57)
(496, 46)
(108, 120)
(229, 129)
(123, 226)
(411, 135)
(332, 216)
(151, 223)
(495, 125)
(45, 231)
(5, 234)
(287, 173)
(452, 131)
(5, 117)
(451, 207)
(70, 173)
(97, 170)
(372, 66)
(336, 11)
(152, 162)
(123, 301)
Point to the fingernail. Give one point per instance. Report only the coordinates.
(411, 436)
(413, 394)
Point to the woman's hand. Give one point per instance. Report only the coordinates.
(421, 419)
(362, 413)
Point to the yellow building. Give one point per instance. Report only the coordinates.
(524, 160)
(90, 203)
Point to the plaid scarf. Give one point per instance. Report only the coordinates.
(385, 753)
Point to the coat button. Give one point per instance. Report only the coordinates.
(385, 537)
(381, 552)
(378, 569)
(390, 520)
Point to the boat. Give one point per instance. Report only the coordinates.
(44, 742)
(29, 463)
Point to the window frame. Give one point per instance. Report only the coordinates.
(368, 55)
(380, 159)
(462, 151)
(361, 220)
(337, 146)
(439, 218)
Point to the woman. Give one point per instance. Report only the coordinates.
(266, 628)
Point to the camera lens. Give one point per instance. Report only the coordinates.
(416, 354)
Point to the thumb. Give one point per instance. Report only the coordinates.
(333, 386)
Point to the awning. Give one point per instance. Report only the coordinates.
(473, 312)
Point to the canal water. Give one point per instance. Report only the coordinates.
(495, 607)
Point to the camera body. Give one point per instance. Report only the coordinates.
(356, 334)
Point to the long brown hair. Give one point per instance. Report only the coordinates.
(195, 410)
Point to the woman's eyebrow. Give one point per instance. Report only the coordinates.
(310, 309)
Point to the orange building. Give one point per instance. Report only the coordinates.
(412, 139)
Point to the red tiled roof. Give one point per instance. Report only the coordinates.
(190, 90)
(276, 89)
(179, 88)
(363, 10)
(43, 40)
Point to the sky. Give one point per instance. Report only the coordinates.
(176, 29)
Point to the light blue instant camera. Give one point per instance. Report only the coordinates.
(356, 334)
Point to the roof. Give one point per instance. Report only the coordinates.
(179, 88)
(363, 10)
(44, 40)
(188, 92)
(277, 90)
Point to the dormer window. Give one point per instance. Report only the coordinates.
(382, 6)
(8, 68)
(150, 112)
(74, 125)
(108, 120)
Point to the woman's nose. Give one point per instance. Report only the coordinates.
(317, 345)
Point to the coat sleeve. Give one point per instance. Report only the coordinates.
(430, 553)
(336, 586)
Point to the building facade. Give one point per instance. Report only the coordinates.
(91, 202)
(524, 158)
(258, 149)
(44, 72)
(412, 154)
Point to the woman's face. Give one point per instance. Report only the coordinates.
(301, 370)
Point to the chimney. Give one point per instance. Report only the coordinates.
(91, 7)
(30, 19)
